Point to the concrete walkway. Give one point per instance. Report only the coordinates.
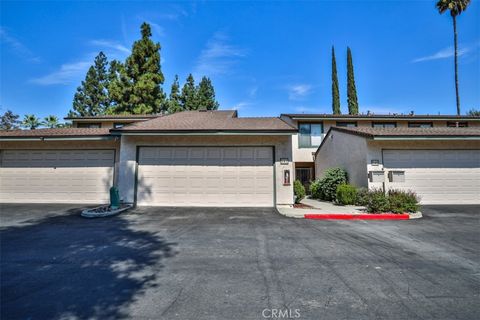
(318, 207)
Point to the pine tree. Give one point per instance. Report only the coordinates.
(206, 95)
(188, 99)
(174, 104)
(335, 89)
(351, 89)
(9, 121)
(91, 98)
(137, 89)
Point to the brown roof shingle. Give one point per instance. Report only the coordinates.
(410, 132)
(57, 132)
(381, 116)
(219, 120)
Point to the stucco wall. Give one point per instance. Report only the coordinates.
(128, 150)
(345, 151)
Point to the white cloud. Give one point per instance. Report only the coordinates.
(108, 44)
(218, 56)
(65, 75)
(298, 91)
(17, 46)
(442, 54)
(241, 105)
(303, 109)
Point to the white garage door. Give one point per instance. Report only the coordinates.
(437, 176)
(205, 176)
(56, 176)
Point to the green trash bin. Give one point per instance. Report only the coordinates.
(114, 198)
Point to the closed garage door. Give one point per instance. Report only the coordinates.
(205, 176)
(56, 176)
(437, 176)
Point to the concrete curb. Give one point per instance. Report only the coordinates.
(363, 216)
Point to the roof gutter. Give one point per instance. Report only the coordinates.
(397, 138)
(203, 133)
(64, 138)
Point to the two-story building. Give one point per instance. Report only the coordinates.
(312, 129)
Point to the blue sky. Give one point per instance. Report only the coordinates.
(264, 58)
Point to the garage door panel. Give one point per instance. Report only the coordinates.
(56, 176)
(205, 176)
(437, 176)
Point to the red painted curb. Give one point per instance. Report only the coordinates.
(339, 216)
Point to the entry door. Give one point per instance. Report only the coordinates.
(437, 176)
(205, 176)
(56, 176)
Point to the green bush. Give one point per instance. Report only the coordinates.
(362, 197)
(327, 185)
(315, 189)
(299, 191)
(346, 194)
(403, 201)
(377, 202)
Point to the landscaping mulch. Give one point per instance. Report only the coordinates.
(302, 206)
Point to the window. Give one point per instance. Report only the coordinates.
(457, 124)
(310, 134)
(384, 124)
(420, 125)
(118, 125)
(346, 124)
(89, 125)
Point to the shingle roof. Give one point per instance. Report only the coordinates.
(116, 117)
(220, 120)
(380, 116)
(57, 132)
(410, 132)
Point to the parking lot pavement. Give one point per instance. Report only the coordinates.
(204, 263)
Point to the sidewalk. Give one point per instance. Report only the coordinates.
(318, 207)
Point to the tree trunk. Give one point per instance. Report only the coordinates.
(456, 63)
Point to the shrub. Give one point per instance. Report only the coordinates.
(377, 202)
(362, 197)
(328, 184)
(346, 194)
(299, 191)
(315, 189)
(403, 201)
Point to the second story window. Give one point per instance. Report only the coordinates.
(346, 124)
(384, 124)
(310, 135)
(457, 124)
(420, 124)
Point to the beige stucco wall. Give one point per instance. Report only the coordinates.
(129, 144)
(345, 151)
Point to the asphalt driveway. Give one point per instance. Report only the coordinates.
(194, 263)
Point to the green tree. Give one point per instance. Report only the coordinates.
(91, 98)
(335, 89)
(456, 7)
(174, 104)
(9, 121)
(31, 122)
(51, 122)
(188, 99)
(351, 89)
(473, 113)
(206, 95)
(137, 90)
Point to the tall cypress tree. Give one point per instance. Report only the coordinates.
(174, 103)
(138, 88)
(351, 89)
(188, 99)
(206, 95)
(91, 98)
(335, 89)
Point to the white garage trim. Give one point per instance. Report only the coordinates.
(181, 163)
(438, 176)
(56, 175)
